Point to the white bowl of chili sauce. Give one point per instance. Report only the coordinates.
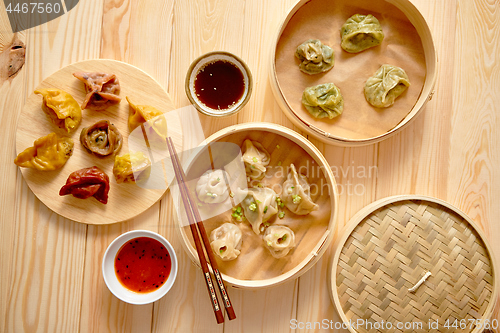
(218, 84)
(139, 267)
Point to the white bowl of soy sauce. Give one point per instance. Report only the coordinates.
(218, 84)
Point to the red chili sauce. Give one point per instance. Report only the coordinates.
(219, 85)
(142, 264)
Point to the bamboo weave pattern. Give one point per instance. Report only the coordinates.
(391, 250)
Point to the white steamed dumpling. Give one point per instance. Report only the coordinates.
(226, 241)
(297, 193)
(279, 240)
(256, 159)
(211, 186)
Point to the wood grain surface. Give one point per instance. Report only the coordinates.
(50, 276)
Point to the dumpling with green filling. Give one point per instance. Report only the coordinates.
(360, 32)
(315, 57)
(324, 100)
(382, 89)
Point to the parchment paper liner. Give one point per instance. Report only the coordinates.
(402, 47)
(255, 261)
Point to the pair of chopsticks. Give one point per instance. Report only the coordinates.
(196, 225)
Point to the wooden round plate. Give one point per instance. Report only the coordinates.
(255, 267)
(407, 44)
(125, 200)
(390, 245)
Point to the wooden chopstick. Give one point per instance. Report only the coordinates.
(191, 208)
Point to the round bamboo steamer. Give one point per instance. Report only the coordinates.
(431, 62)
(386, 250)
(255, 268)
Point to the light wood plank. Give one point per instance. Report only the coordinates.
(47, 262)
(356, 172)
(198, 27)
(201, 27)
(474, 181)
(416, 160)
(13, 90)
(268, 310)
(101, 310)
(186, 307)
(261, 26)
(126, 36)
(10, 106)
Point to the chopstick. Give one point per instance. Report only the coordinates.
(191, 208)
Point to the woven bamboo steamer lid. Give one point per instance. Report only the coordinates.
(390, 245)
(330, 137)
(314, 232)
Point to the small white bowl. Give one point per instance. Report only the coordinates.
(199, 64)
(111, 280)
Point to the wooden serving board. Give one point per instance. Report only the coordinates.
(125, 200)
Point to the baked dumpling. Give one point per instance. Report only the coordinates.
(102, 138)
(324, 100)
(279, 240)
(315, 57)
(360, 32)
(297, 193)
(256, 159)
(259, 206)
(48, 153)
(140, 114)
(382, 89)
(102, 90)
(131, 167)
(212, 187)
(61, 108)
(226, 241)
(86, 183)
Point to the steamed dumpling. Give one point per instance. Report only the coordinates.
(315, 57)
(324, 100)
(256, 159)
(279, 240)
(360, 32)
(259, 206)
(297, 193)
(212, 187)
(226, 241)
(382, 89)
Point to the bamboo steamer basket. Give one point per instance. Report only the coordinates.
(329, 136)
(255, 268)
(389, 246)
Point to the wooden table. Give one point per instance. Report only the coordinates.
(50, 276)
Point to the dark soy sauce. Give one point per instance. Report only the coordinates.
(219, 85)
